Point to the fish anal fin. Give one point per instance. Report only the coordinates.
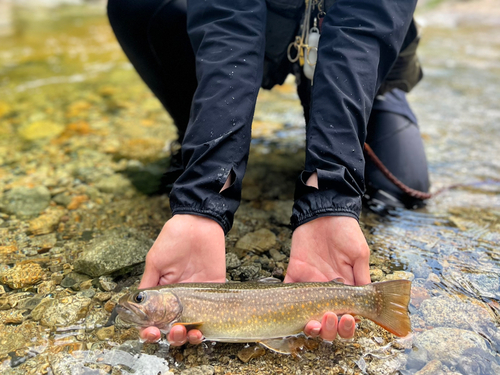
(189, 326)
(290, 345)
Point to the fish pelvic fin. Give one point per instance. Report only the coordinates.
(190, 326)
(393, 313)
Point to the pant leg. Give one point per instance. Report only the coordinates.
(153, 35)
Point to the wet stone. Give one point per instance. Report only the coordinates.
(114, 184)
(477, 361)
(259, 241)
(276, 255)
(232, 261)
(23, 275)
(434, 367)
(105, 333)
(47, 222)
(65, 311)
(74, 278)
(26, 202)
(449, 344)
(246, 273)
(417, 358)
(45, 241)
(100, 256)
(106, 283)
(376, 275)
(449, 312)
(400, 275)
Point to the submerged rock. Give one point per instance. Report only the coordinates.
(23, 201)
(63, 311)
(449, 344)
(246, 354)
(114, 184)
(259, 241)
(23, 275)
(47, 222)
(114, 251)
(434, 367)
(232, 261)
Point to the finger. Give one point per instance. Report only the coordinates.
(312, 328)
(329, 326)
(150, 334)
(361, 271)
(346, 327)
(195, 337)
(150, 277)
(177, 335)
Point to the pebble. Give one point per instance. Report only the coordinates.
(23, 275)
(73, 279)
(63, 311)
(259, 241)
(376, 274)
(103, 296)
(106, 283)
(44, 241)
(232, 261)
(246, 273)
(100, 256)
(105, 333)
(114, 184)
(199, 370)
(246, 354)
(418, 295)
(25, 202)
(417, 358)
(276, 255)
(47, 222)
(40, 130)
(400, 275)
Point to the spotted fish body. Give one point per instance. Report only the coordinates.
(246, 312)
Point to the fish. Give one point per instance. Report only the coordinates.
(264, 312)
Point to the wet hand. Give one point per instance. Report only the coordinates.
(181, 253)
(325, 249)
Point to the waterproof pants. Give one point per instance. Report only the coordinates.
(205, 64)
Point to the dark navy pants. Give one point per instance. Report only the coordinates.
(204, 62)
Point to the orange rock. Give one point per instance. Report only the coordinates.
(77, 201)
(47, 222)
(9, 249)
(23, 275)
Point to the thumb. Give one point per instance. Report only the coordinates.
(361, 271)
(150, 278)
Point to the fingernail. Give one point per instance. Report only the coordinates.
(315, 331)
(348, 324)
(151, 337)
(178, 336)
(330, 323)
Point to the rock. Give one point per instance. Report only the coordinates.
(26, 202)
(199, 370)
(103, 296)
(47, 222)
(434, 367)
(277, 256)
(113, 251)
(106, 283)
(259, 241)
(146, 178)
(38, 311)
(45, 241)
(29, 303)
(232, 261)
(280, 211)
(114, 184)
(65, 311)
(417, 358)
(450, 312)
(486, 284)
(23, 275)
(73, 279)
(40, 130)
(246, 273)
(418, 295)
(376, 274)
(477, 361)
(105, 333)
(246, 354)
(387, 366)
(12, 317)
(449, 344)
(400, 275)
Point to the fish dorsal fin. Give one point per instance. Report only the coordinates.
(190, 326)
(338, 280)
(269, 280)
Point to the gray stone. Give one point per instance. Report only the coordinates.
(259, 241)
(486, 284)
(114, 184)
(62, 312)
(232, 261)
(476, 361)
(450, 312)
(199, 370)
(26, 202)
(115, 250)
(449, 344)
(417, 358)
(106, 283)
(277, 256)
(434, 367)
(73, 278)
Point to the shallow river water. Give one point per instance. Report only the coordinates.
(82, 142)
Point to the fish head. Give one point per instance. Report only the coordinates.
(147, 308)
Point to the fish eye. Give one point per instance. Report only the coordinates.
(140, 297)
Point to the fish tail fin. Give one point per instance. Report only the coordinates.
(393, 308)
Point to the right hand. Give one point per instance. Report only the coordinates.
(189, 248)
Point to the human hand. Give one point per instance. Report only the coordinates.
(324, 249)
(181, 253)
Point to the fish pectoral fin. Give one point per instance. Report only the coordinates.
(190, 326)
(338, 280)
(281, 345)
(269, 280)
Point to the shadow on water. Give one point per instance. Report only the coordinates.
(79, 134)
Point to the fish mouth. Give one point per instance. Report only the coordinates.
(132, 314)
